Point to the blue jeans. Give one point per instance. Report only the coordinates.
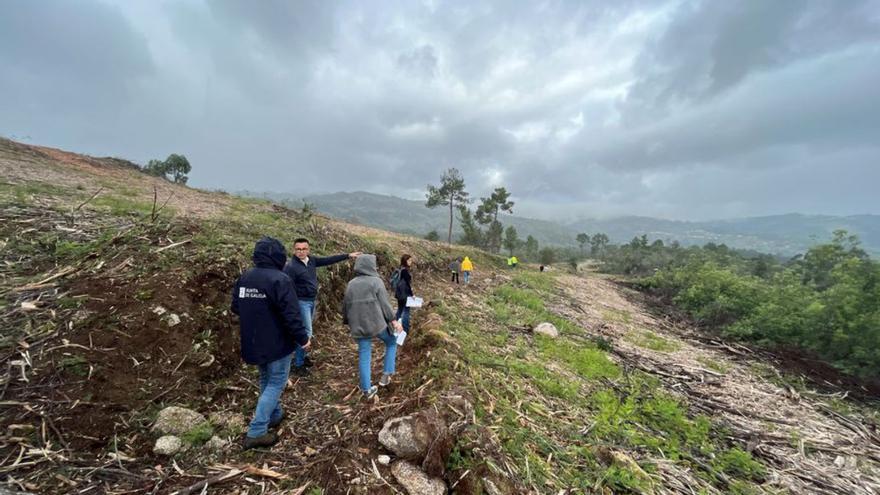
(403, 315)
(467, 276)
(365, 356)
(307, 310)
(273, 378)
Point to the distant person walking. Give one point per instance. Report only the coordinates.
(271, 325)
(404, 290)
(466, 268)
(455, 268)
(512, 262)
(303, 271)
(368, 313)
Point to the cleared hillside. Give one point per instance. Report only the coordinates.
(620, 402)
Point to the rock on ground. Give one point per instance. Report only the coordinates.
(408, 436)
(547, 329)
(175, 420)
(167, 445)
(215, 444)
(228, 420)
(415, 481)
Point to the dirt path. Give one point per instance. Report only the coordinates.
(809, 446)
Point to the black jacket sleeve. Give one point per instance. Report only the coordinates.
(329, 260)
(284, 300)
(234, 306)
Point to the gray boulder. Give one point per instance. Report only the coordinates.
(547, 329)
(167, 445)
(409, 437)
(415, 481)
(215, 444)
(177, 421)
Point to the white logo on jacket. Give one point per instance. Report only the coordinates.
(250, 292)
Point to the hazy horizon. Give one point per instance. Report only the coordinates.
(674, 109)
(572, 219)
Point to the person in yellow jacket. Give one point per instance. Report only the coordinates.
(466, 268)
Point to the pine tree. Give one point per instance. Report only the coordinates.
(451, 192)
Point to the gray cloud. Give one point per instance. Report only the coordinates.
(686, 109)
(67, 68)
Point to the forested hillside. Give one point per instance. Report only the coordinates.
(779, 234)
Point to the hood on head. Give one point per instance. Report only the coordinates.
(269, 253)
(365, 264)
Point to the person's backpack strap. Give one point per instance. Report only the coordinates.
(395, 279)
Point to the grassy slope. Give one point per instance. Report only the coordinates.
(550, 415)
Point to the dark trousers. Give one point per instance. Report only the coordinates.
(455, 277)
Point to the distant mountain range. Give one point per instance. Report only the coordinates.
(779, 234)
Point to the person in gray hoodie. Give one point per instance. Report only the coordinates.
(368, 313)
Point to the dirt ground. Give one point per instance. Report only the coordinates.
(811, 446)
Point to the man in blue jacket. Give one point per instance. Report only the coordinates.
(303, 270)
(271, 327)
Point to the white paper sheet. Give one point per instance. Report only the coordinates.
(414, 302)
(401, 337)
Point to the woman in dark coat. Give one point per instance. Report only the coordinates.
(404, 290)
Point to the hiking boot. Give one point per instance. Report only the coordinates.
(307, 362)
(372, 392)
(385, 380)
(301, 371)
(266, 440)
(274, 424)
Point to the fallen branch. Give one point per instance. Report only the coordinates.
(172, 245)
(42, 283)
(202, 485)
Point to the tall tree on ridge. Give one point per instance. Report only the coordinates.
(451, 192)
(582, 239)
(487, 214)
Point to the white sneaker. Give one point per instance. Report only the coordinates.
(385, 380)
(372, 392)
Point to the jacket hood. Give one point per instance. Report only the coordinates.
(269, 253)
(365, 264)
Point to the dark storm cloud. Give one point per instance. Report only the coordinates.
(687, 109)
(67, 67)
(711, 46)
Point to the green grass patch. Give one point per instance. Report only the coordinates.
(548, 382)
(535, 280)
(122, 206)
(650, 340)
(520, 297)
(588, 362)
(25, 193)
(616, 316)
(77, 365)
(198, 435)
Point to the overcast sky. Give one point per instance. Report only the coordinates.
(675, 109)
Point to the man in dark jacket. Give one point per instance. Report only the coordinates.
(271, 326)
(303, 270)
